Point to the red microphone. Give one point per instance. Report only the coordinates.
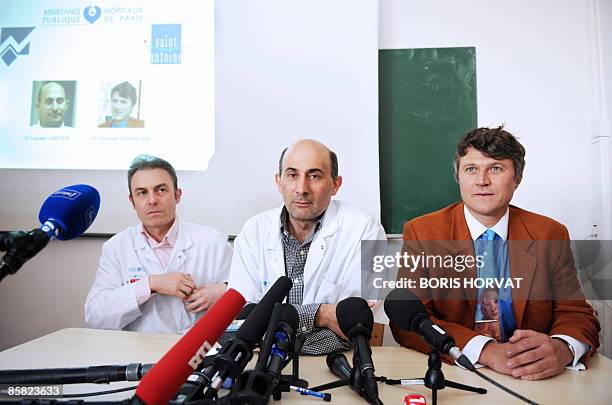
(160, 384)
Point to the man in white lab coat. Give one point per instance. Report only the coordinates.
(313, 240)
(160, 275)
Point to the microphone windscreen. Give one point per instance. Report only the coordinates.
(355, 317)
(231, 330)
(290, 316)
(245, 311)
(160, 384)
(255, 325)
(339, 365)
(402, 307)
(72, 208)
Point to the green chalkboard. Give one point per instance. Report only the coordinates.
(427, 100)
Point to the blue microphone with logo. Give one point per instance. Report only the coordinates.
(64, 215)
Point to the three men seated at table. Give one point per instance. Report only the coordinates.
(160, 275)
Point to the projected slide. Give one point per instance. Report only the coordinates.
(90, 85)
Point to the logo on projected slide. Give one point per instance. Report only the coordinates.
(166, 44)
(13, 43)
(66, 193)
(92, 14)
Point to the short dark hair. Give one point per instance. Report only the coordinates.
(125, 90)
(495, 143)
(144, 162)
(332, 157)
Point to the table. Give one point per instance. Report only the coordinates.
(75, 347)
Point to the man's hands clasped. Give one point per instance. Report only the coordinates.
(528, 355)
(181, 285)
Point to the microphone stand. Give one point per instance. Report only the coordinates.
(256, 386)
(434, 379)
(287, 381)
(356, 382)
(369, 393)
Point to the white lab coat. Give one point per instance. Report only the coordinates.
(333, 266)
(111, 303)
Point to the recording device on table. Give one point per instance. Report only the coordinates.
(171, 379)
(238, 351)
(64, 215)
(182, 376)
(279, 323)
(406, 311)
(256, 386)
(356, 321)
(160, 384)
(107, 373)
(76, 375)
(277, 350)
(163, 380)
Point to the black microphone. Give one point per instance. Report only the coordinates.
(356, 321)
(237, 353)
(256, 386)
(339, 365)
(284, 340)
(4, 241)
(233, 327)
(193, 388)
(21, 246)
(245, 311)
(408, 312)
(81, 375)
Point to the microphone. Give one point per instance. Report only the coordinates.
(408, 312)
(245, 311)
(72, 209)
(21, 246)
(4, 242)
(356, 321)
(196, 382)
(160, 384)
(284, 340)
(237, 353)
(82, 375)
(256, 386)
(339, 365)
(65, 214)
(233, 327)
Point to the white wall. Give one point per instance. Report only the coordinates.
(602, 50)
(534, 73)
(524, 49)
(49, 291)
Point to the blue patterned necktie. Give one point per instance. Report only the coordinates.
(494, 315)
